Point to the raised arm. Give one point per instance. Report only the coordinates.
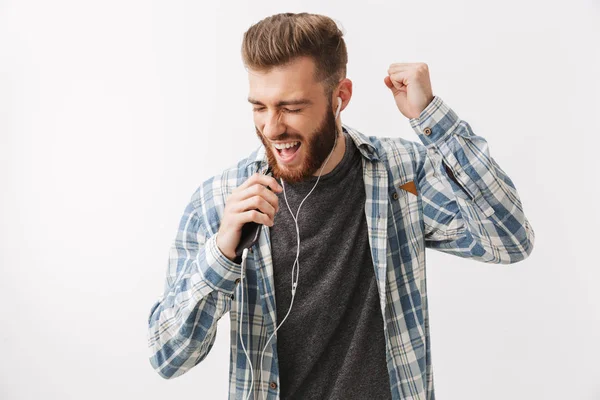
(471, 207)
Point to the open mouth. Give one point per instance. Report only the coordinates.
(287, 152)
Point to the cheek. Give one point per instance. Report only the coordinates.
(301, 124)
(257, 120)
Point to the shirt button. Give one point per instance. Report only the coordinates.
(395, 195)
(273, 385)
(237, 281)
(232, 296)
(427, 131)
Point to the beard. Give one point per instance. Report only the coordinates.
(316, 149)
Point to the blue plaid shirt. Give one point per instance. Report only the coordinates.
(447, 194)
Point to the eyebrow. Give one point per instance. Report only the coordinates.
(284, 102)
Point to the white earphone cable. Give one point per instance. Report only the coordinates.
(241, 313)
(296, 263)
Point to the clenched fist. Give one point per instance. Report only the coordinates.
(411, 86)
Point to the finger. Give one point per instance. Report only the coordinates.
(400, 77)
(388, 82)
(399, 67)
(254, 216)
(395, 87)
(261, 191)
(262, 179)
(257, 203)
(399, 80)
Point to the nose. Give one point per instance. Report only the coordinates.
(273, 127)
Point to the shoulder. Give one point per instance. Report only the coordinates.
(394, 151)
(403, 159)
(394, 147)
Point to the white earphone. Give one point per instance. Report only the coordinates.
(296, 262)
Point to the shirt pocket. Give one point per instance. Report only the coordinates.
(405, 229)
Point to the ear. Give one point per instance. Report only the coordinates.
(344, 91)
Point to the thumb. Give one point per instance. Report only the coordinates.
(388, 82)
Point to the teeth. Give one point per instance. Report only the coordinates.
(285, 145)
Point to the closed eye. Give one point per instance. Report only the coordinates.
(297, 110)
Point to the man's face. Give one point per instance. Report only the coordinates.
(291, 110)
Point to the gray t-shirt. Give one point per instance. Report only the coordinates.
(331, 346)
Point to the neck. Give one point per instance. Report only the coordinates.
(338, 152)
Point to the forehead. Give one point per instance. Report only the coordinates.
(295, 79)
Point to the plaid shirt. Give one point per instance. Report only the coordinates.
(447, 194)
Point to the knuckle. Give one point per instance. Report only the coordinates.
(269, 195)
(262, 203)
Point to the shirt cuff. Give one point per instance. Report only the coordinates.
(434, 126)
(435, 122)
(218, 270)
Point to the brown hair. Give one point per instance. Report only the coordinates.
(280, 38)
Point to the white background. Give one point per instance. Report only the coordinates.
(113, 112)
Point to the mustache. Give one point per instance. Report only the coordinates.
(284, 136)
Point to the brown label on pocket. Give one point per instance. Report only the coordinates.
(409, 187)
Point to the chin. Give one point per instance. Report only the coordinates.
(291, 174)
